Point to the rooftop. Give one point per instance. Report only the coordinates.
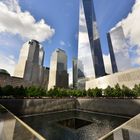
(3, 71)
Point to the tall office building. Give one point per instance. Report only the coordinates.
(74, 72)
(118, 48)
(41, 56)
(30, 64)
(58, 76)
(90, 59)
(112, 55)
(41, 61)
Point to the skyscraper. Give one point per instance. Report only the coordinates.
(112, 55)
(90, 59)
(74, 72)
(30, 64)
(41, 55)
(58, 76)
(118, 48)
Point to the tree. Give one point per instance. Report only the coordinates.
(19, 91)
(8, 90)
(128, 92)
(94, 92)
(136, 90)
(108, 92)
(1, 94)
(35, 92)
(117, 92)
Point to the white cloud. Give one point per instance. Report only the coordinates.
(14, 21)
(7, 62)
(62, 43)
(12, 5)
(131, 28)
(131, 24)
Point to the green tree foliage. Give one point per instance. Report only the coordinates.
(94, 92)
(35, 92)
(54, 92)
(108, 92)
(19, 92)
(136, 90)
(127, 92)
(1, 91)
(8, 90)
(117, 91)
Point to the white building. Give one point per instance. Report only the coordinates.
(30, 64)
(58, 76)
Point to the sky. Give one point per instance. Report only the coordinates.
(55, 25)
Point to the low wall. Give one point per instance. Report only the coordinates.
(37, 106)
(128, 78)
(126, 107)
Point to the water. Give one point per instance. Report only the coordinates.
(73, 125)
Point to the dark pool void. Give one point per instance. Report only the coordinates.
(73, 125)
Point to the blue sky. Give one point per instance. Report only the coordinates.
(62, 16)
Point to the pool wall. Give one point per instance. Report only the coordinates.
(127, 107)
(36, 106)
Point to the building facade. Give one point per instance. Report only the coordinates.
(112, 55)
(6, 79)
(30, 65)
(128, 78)
(118, 48)
(90, 59)
(58, 76)
(74, 72)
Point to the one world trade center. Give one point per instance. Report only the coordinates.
(90, 59)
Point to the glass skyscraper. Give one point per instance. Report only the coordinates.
(118, 48)
(90, 59)
(112, 55)
(58, 76)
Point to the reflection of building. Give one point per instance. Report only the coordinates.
(74, 71)
(30, 64)
(117, 42)
(41, 56)
(58, 76)
(90, 60)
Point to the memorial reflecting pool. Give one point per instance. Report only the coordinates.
(73, 125)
